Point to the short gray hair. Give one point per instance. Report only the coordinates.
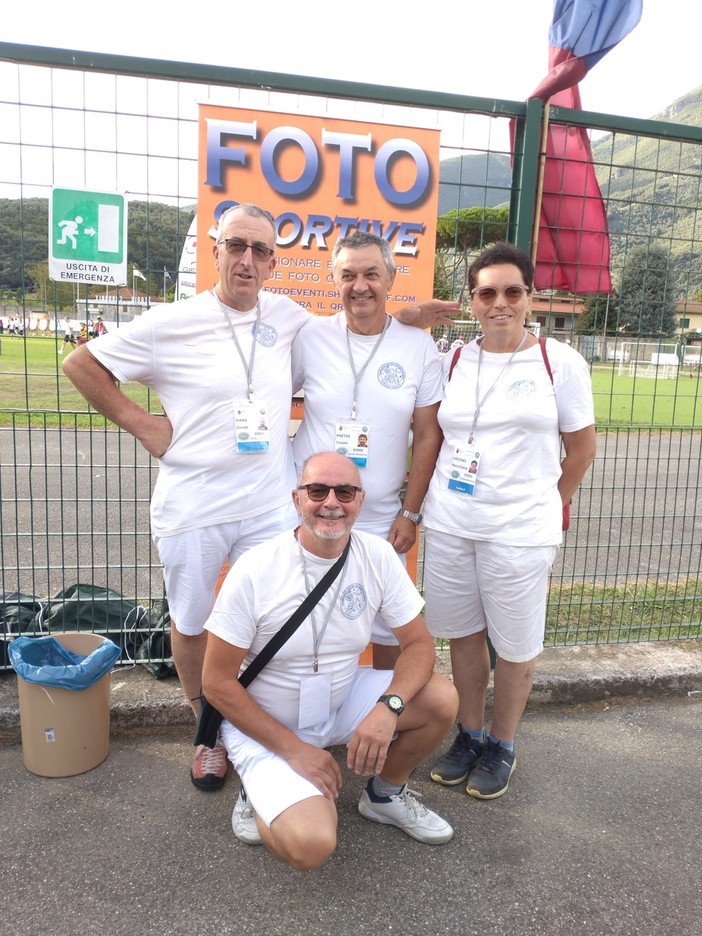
(307, 461)
(246, 208)
(362, 239)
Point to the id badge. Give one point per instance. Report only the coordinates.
(464, 469)
(315, 700)
(352, 438)
(253, 435)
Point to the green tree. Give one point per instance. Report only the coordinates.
(463, 231)
(443, 280)
(50, 294)
(646, 294)
(600, 315)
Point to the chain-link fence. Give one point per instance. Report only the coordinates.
(75, 491)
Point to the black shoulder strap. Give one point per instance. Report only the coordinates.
(292, 624)
(209, 718)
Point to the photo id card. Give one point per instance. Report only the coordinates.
(251, 426)
(464, 469)
(352, 438)
(315, 700)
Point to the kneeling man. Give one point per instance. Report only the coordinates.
(313, 694)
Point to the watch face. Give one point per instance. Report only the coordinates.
(393, 702)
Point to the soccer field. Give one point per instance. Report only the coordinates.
(31, 380)
(647, 401)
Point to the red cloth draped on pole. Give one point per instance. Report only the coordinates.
(573, 249)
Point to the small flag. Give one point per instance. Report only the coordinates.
(138, 274)
(167, 275)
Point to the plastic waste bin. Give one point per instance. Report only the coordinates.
(64, 701)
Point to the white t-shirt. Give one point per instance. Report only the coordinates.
(267, 584)
(404, 373)
(516, 499)
(186, 353)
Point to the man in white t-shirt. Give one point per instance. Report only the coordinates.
(220, 365)
(313, 693)
(368, 380)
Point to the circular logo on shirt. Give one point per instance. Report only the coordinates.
(265, 334)
(391, 375)
(521, 389)
(353, 601)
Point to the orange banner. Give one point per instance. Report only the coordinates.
(321, 179)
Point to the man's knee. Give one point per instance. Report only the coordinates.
(310, 849)
(438, 700)
(304, 836)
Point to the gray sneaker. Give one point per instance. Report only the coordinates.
(454, 766)
(490, 778)
(244, 821)
(406, 812)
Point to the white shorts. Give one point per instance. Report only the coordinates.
(271, 785)
(193, 560)
(380, 632)
(470, 585)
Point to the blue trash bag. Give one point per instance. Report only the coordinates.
(43, 660)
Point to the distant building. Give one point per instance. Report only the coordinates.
(556, 314)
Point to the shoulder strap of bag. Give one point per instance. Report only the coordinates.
(292, 624)
(454, 359)
(209, 718)
(566, 507)
(542, 345)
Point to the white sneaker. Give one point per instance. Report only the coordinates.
(244, 821)
(406, 812)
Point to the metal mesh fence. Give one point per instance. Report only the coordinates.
(75, 491)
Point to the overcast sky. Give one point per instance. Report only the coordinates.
(486, 49)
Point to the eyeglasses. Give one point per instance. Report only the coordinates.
(236, 247)
(344, 493)
(488, 294)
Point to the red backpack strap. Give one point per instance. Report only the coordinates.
(542, 345)
(454, 359)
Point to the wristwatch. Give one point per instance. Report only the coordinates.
(394, 703)
(416, 518)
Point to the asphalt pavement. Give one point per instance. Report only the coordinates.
(599, 833)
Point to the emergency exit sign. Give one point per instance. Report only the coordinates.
(88, 237)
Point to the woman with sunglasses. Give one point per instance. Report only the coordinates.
(493, 513)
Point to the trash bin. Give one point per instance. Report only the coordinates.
(64, 701)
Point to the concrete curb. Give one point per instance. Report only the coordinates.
(564, 676)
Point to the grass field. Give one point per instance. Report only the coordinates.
(31, 381)
(646, 401)
(587, 613)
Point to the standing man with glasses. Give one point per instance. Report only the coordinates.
(372, 391)
(313, 694)
(220, 364)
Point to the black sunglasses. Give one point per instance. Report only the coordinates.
(344, 493)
